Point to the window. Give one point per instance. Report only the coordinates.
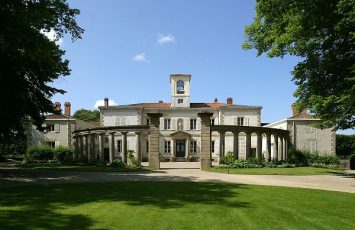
(212, 121)
(119, 146)
(312, 145)
(240, 121)
(212, 146)
(193, 124)
(167, 123)
(180, 101)
(51, 144)
(167, 146)
(180, 87)
(50, 128)
(193, 146)
(147, 121)
(147, 146)
(311, 129)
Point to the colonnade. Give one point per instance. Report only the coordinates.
(280, 140)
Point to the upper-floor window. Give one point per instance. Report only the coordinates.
(180, 87)
(180, 101)
(167, 123)
(147, 121)
(240, 121)
(311, 129)
(50, 128)
(193, 146)
(193, 124)
(212, 146)
(212, 121)
(120, 121)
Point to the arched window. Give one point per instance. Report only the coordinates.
(180, 86)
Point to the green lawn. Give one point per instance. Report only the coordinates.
(81, 168)
(277, 171)
(173, 205)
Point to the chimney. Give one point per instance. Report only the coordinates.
(230, 101)
(215, 99)
(57, 107)
(106, 102)
(67, 109)
(295, 111)
(161, 101)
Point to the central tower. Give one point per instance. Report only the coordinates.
(180, 90)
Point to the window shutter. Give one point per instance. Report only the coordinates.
(161, 123)
(56, 144)
(246, 121)
(198, 123)
(172, 124)
(187, 124)
(198, 148)
(56, 128)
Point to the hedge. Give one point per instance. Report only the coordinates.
(46, 154)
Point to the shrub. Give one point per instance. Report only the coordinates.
(39, 154)
(352, 161)
(297, 157)
(245, 164)
(286, 165)
(345, 145)
(117, 164)
(228, 159)
(63, 154)
(322, 165)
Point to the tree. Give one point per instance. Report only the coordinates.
(322, 33)
(345, 145)
(87, 115)
(30, 61)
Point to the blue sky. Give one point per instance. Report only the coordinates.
(130, 48)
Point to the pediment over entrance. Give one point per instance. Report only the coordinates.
(180, 135)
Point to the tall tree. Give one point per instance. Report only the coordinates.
(87, 115)
(29, 60)
(322, 33)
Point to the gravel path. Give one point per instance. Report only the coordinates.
(11, 176)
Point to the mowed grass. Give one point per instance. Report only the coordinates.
(79, 168)
(173, 205)
(277, 171)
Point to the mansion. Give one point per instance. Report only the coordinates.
(178, 130)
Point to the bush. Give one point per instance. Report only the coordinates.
(297, 157)
(345, 145)
(63, 154)
(40, 154)
(117, 164)
(228, 159)
(245, 164)
(352, 161)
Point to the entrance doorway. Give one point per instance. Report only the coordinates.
(180, 148)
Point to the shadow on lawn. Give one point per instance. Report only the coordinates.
(31, 207)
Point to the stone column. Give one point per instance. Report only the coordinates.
(93, 146)
(281, 153)
(124, 147)
(154, 161)
(75, 147)
(286, 148)
(248, 145)
(235, 145)
(187, 152)
(101, 146)
(172, 150)
(111, 146)
(139, 147)
(268, 146)
(88, 146)
(222, 136)
(205, 157)
(85, 148)
(259, 145)
(276, 147)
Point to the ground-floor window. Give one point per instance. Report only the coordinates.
(312, 145)
(167, 147)
(193, 147)
(147, 146)
(242, 145)
(212, 146)
(51, 144)
(119, 146)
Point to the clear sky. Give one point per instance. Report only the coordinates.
(130, 48)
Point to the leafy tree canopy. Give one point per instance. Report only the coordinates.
(322, 33)
(87, 115)
(29, 60)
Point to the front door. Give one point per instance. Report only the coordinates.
(180, 148)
